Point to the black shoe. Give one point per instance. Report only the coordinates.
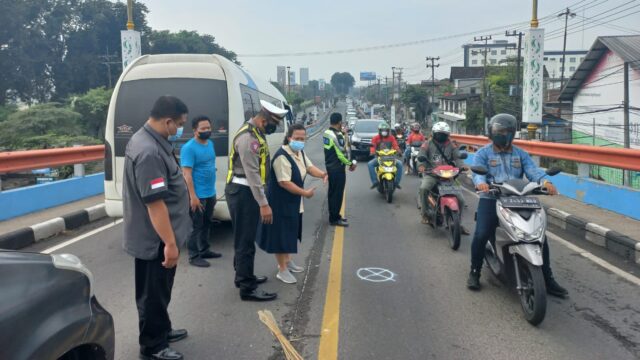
(473, 283)
(261, 279)
(344, 219)
(258, 295)
(340, 222)
(199, 262)
(164, 354)
(210, 255)
(375, 185)
(398, 187)
(554, 289)
(176, 335)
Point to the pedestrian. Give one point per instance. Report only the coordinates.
(198, 160)
(289, 169)
(156, 223)
(245, 192)
(335, 160)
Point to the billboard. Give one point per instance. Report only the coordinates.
(130, 46)
(367, 76)
(533, 77)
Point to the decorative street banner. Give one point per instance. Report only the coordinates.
(130, 47)
(533, 77)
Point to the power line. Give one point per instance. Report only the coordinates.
(596, 25)
(593, 18)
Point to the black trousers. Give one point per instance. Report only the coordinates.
(153, 294)
(245, 217)
(337, 182)
(486, 224)
(198, 242)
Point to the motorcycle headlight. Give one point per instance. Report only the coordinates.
(389, 168)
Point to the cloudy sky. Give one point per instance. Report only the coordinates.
(258, 27)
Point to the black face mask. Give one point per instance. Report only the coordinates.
(204, 135)
(440, 137)
(501, 140)
(270, 128)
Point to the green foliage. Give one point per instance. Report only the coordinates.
(6, 110)
(342, 82)
(93, 106)
(41, 127)
(294, 99)
(445, 89)
(186, 42)
(474, 122)
(499, 78)
(416, 96)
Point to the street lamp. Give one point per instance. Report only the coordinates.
(130, 15)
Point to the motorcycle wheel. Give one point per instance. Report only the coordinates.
(388, 190)
(453, 225)
(533, 295)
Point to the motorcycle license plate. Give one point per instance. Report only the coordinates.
(521, 202)
(449, 190)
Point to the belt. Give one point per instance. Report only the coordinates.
(240, 181)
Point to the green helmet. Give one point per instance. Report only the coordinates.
(383, 126)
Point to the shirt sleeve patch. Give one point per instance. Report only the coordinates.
(326, 140)
(157, 183)
(255, 146)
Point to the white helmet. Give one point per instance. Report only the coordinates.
(441, 127)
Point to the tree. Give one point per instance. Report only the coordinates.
(416, 96)
(93, 107)
(42, 126)
(342, 82)
(474, 122)
(187, 42)
(294, 99)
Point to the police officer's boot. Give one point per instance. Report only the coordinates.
(553, 288)
(473, 283)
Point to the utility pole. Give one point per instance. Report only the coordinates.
(518, 60)
(566, 15)
(626, 126)
(484, 78)
(288, 81)
(399, 87)
(130, 15)
(433, 67)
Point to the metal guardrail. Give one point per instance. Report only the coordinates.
(15, 161)
(628, 159)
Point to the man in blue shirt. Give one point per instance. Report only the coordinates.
(198, 160)
(505, 162)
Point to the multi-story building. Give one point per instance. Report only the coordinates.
(553, 62)
(304, 76)
(292, 78)
(282, 76)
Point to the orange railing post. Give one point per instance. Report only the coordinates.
(14, 161)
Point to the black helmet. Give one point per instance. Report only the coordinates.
(501, 122)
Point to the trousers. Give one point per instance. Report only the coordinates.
(427, 183)
(198, 243)
(245, 218)
(337, 182)
(153, 294)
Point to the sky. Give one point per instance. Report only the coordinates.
(258, 27)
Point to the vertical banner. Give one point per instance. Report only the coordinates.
(130, 47)
(532, 100)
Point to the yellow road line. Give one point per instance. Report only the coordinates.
(331, 318)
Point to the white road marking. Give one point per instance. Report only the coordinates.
(83, 236)
(584, 253)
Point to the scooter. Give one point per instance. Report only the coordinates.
(515, 254)
(413, 158)
(386, 172)
(444, 207)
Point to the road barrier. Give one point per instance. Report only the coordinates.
(15, 161)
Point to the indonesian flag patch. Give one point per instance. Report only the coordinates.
(157, 183)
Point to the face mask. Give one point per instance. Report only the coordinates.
(205, 135)
(177, 136)
(384, 133)
(440, 137)
(501, 140)
(296, 145)
(270, 128)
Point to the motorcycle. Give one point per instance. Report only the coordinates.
(402, 141)
(514, 255)
(413, 157)
(386, 172)
(444, 206)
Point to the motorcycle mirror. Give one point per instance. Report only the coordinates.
(422, 159)
(463, 155)
(350, 131)
(553, 171)
(462, 148)
(480, 170)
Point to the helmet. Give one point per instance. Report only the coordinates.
(383, 127)
(397, 126)
(498, 125)
(441, 127)
(415, 127)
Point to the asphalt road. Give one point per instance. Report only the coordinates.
(426, 312)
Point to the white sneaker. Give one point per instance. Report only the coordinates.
(294, 268)
(286, 277)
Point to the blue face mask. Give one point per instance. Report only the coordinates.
(296, 145)
(177, 136)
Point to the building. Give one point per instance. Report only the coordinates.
(553, 62)
(453, 110)
(282, 76)
(497, 53)
(596, 91)
(292, 78)
(467, 80)
(304, 76)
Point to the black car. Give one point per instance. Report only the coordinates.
(360, 137)
(48, 310)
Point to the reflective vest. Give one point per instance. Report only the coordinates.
(264, 152)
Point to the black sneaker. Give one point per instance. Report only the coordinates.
(199, 262)
(210, 255)
(177, 335)
(473, 283)
(554, 289)
(164, 354)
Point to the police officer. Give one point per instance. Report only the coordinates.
(249, 163)
(156, 223)
(335, 161)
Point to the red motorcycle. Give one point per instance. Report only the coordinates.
(444, 207)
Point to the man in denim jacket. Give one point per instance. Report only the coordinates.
(504, 162)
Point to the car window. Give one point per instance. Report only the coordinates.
(367, 126)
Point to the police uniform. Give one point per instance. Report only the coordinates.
(335, 162)
(249, 163)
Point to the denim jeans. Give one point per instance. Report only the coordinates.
(372, 171)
